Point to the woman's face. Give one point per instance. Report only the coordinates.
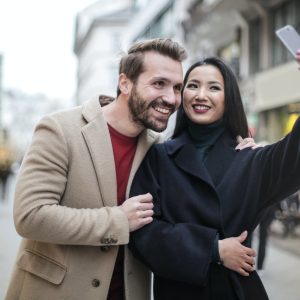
(203, 95)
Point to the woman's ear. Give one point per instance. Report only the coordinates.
(124, 84)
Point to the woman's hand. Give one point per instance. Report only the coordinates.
(235, 256)
(245, 143)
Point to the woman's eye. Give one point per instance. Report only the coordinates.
(191, 85)
(215, 88)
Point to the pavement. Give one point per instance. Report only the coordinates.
(9, 239)
(281, 275)
(9, 242)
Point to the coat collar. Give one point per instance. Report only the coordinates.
(146, 139)
(185, 156)
(91, 109)
(97, 137)
(212, 170)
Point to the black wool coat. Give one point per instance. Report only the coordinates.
(193, 201)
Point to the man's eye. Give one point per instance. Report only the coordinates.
(178, 88)
(159, 83)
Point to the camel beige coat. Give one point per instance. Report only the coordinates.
(66, 211)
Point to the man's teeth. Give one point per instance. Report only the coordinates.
(162, 110)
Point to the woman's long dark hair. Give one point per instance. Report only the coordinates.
(234, 119)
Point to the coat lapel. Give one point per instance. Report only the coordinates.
(98, 141)
(187, 159)
(146, 139)
(97, 137)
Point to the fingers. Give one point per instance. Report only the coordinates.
(239, 139)
(249, 263)
(250, 252)
(137, 223)
(242, 272)
(236, 256)
(139, 211)
(139, 203)
(145, 214)
(145, 221)
(257, 146)
(144, 206)
(246, 269)
(244, 143)
(146, 198)
(244, 266)
(142, 198)
(242, 237)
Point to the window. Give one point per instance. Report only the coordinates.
(231, 54)
(161, 26)
(254, 42)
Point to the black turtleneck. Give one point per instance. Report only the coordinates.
(205, 136)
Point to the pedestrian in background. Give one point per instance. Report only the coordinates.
(263, 235)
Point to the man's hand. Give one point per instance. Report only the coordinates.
(245, 143)
(235, 256)
(139, 211)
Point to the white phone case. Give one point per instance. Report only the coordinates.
(290, 38)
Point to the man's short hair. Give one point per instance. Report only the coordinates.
(132, 63)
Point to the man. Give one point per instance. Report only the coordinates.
(70, 205)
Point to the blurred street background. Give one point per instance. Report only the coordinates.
(56, 54)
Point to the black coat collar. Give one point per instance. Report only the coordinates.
(216, 164)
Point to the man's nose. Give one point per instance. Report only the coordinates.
(169, 96)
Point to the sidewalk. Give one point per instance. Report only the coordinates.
(9, 239)
(281, 276)
(9, 243)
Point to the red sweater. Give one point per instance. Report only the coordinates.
(124, 149)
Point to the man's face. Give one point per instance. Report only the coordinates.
(157, 92)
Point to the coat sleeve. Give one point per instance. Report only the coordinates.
(38, 213)
(279, 167)
(175, 251)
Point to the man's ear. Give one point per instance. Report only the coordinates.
(125, 84)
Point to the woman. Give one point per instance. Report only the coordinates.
(204, 192)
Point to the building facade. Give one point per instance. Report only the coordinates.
(242, 32)
(98, 39)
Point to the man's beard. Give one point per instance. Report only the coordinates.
(140, 111)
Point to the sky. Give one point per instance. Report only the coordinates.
(36, 40)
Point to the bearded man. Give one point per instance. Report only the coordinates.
(71, 202)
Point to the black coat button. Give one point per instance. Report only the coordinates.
(95, 282)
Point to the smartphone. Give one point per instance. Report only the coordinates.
(290, 38)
